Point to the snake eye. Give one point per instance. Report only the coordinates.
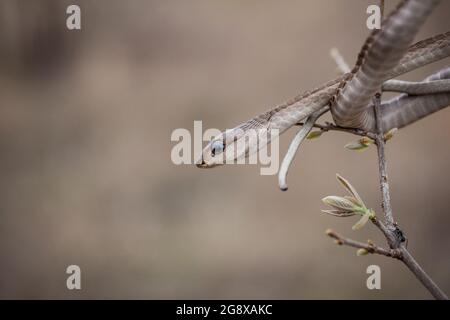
(217, 147)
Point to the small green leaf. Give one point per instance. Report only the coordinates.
(362, 252)
(360, 144)
(362, 222)
(390, 134)
(350, 189)
(314, 135)
(366, 141)
(340, 203)
(355, 145)
(349, 198)
(371, 213)
(339, 213)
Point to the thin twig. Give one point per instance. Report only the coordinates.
(328, 126)
(389, 235)
(369, 246)
(340, 61)
(420, 274)
(384, 184)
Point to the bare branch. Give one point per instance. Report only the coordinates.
(391, 232)
(340, 61)
(384, 184)
(389, 228)
(328, 126)
(389, 235)
(369, 246)
(420, 274)
(382, 8)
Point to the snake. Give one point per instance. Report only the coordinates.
(386, 54)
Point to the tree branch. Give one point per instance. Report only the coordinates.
(369, 246)
(384, 184)
(340, 61)
(328, 126)
(388, 227)
(420, 274)
(392, 232)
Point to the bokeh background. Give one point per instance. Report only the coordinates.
(87, 179)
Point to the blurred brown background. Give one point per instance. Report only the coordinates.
(87, 179)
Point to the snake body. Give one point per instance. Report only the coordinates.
(386, 54)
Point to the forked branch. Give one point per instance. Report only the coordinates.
(393, 234)
(366, 248)
(395, 237)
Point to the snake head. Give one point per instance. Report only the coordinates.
(232, 146)
(220, 150)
